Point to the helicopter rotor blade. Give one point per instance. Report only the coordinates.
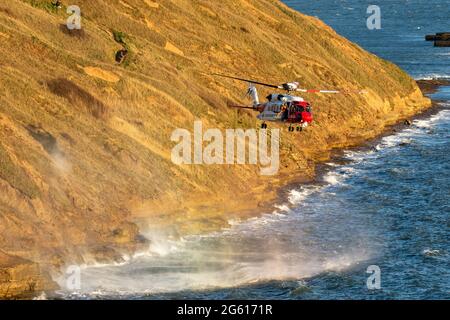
(247, 80)
(286, 86)
(241, 107)
(331, 91)
(318, 91)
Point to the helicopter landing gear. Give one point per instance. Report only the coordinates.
(295, 128)
(263, 125)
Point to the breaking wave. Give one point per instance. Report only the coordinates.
(434, 76)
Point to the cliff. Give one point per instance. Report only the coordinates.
(85, 149)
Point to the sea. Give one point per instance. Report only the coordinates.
(374, 225)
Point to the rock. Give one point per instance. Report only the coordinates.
(102, 74)
(57, 4)
(47, 140)
(126, 233)
(442, 43)
(106, 254)
(407, 122)
(20, 278)
(443, 35)
(172, 48)
(441, 39)
(121, 55)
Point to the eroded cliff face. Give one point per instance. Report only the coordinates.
(20, 278)
(85, 142)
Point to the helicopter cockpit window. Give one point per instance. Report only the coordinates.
(280, 97)
(269, 97)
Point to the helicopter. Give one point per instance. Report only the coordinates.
(285, 108)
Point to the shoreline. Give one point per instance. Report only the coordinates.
(337, 157)
(428, 88)
(279, 189)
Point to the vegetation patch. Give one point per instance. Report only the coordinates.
(47, 141)
(122, 56)
(79, 98)
(46, 5)
(244, 29)
(120, 37)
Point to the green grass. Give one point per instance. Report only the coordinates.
(43, 4)
(120, 37)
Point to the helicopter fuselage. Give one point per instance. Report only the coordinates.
(285, 108)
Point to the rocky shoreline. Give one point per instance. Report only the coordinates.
(23, 279)
(428, 87)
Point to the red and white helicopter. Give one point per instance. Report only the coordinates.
(281, 107)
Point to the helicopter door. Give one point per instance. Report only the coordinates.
(291, 113)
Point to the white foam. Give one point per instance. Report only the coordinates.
(234, 222)
(333, 178)
(422, 123)
(41, 296)
(390, 141)
(433, 76)
(431, 252)
(349, 170)
(332, 164)
(283, 208)
(358, 156)
(297, 196)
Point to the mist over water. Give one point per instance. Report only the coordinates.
(386, 205)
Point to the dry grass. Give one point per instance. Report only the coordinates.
(16, 176)
(77, 33)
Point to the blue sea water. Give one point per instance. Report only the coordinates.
(404, 24)
(385, 206)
